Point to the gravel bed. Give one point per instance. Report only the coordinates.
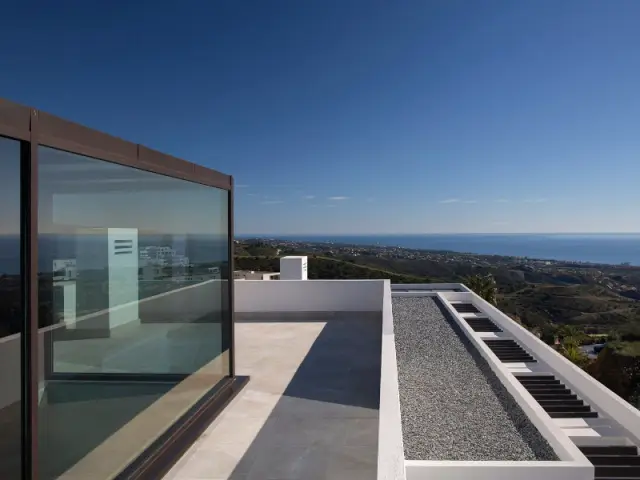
(453, 406)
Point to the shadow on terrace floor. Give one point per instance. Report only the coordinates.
(325, 425)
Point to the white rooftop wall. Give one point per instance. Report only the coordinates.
(309, 296)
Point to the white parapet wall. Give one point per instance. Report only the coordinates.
(590, 390)
(256, 296)
(428, 287)
(391, 465)
(487, 470)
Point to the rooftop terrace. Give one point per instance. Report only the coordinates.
(310, 409)
(363, 379)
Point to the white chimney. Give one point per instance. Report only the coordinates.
(293, 268)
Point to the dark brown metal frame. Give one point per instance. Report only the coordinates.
(34, 128)
(157, 460)
(20, 122)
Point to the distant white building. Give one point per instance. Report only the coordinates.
(65, 269)
(253, 275)
(154, 259)
(162, 257)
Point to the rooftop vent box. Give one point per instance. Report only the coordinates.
(293, 268)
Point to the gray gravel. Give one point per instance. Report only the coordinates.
(453, 406)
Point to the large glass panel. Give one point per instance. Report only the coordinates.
(11, 313)
(132, 299)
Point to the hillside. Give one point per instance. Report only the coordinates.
(328, 268)
(506, 278)
(584, 305)
(537, 298)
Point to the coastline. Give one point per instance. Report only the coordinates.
(608, 249)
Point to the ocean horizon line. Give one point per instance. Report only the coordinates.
(378, 234)
(255, 235)
(601, 247)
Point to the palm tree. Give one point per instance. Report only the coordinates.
(567, 331)
(484, 286)
(573, 353)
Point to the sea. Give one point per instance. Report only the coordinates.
(200, 248)
(609, 248)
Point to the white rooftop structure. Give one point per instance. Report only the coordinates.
(293, 268)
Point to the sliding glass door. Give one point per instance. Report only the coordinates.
(132, 308)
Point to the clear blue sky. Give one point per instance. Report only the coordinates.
(360, 116)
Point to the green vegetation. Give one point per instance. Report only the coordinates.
(618, 368)
(328, 268)
(255, 249)
(573, 353)
(626, 349)
(484, 286)
(258, 264)
(537, 299)
(583, 305)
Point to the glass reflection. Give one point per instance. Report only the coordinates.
(133, 267)
(11, 314)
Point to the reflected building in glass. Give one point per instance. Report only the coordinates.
(116, 318)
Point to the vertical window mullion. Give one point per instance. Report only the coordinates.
(29, 257)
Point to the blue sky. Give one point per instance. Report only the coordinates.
(360, 116)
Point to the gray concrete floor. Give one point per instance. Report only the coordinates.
(310, 410)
